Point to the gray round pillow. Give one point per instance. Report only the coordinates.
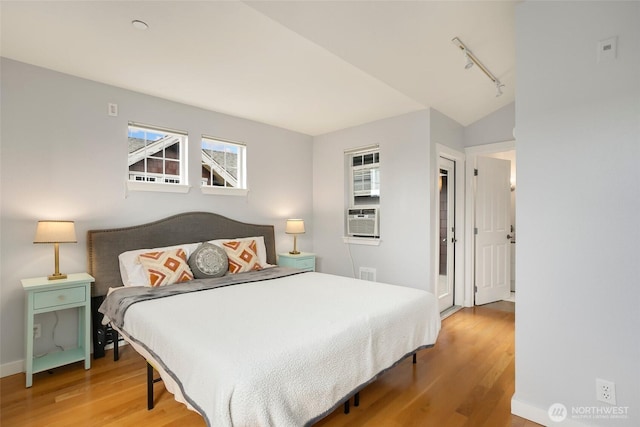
(208, 261)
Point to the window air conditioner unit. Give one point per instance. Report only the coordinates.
(363, 222)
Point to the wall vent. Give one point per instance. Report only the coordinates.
(367, 273)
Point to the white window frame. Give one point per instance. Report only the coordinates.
(350, 203)
(354, 170)
(152, 181)
(240, 181)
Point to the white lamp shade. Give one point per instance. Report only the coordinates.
(55, 232)
(294, 226)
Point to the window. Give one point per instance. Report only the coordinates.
(364, 167)
(362, 173)
(223, 166)
(156, 155)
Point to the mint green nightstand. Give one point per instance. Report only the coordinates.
(44, 295)
(303, 260)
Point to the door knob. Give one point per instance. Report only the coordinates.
(509, 236)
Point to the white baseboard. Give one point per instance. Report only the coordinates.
(540, 415)
(12, 368)
(17, 367)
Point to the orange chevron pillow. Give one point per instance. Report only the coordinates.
(243, 256)
(166, 267)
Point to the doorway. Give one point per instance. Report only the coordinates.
(511, 156)
(446, 233)
(448, 228)
(490, 256)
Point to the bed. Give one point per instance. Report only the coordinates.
(268, 347)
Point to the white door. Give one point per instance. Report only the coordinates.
(493, 226)
(445, 218)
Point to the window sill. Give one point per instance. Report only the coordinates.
(367, 241)
(224, 191)
(158, 187)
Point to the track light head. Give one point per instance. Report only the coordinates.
(469, 63)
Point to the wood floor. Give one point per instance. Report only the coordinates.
(467, 379)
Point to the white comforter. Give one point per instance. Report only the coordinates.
(281, 352)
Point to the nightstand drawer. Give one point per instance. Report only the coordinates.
(305, 263)
(59, 297)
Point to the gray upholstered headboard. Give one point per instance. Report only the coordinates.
(104, 246)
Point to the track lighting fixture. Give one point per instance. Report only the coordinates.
(473, 60)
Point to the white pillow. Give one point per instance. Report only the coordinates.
(262, 250)
(132, 272)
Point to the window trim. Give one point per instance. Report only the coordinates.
(165, 187)
(223, 191)
(365, 241)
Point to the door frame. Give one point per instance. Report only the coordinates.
(461, 235)
(472, 154)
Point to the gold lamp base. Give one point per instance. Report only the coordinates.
(295, 250)
(56, 254)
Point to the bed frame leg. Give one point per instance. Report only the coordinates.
(356, 402)
(116, 350)
(150, 382)
(149, 386)
(414, 359)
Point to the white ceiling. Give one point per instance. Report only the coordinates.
(309, 66)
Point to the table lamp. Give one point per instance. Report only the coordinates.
(55, 232)
(295, 227)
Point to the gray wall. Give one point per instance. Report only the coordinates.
(578, 201)
(404, 254)
(63, 157)
(446, 131)
(496, 127)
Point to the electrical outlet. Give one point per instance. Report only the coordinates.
(607, 49)
(606, 391)
(37, 331)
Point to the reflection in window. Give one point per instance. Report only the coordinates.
(156, 155)
(223, 163)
